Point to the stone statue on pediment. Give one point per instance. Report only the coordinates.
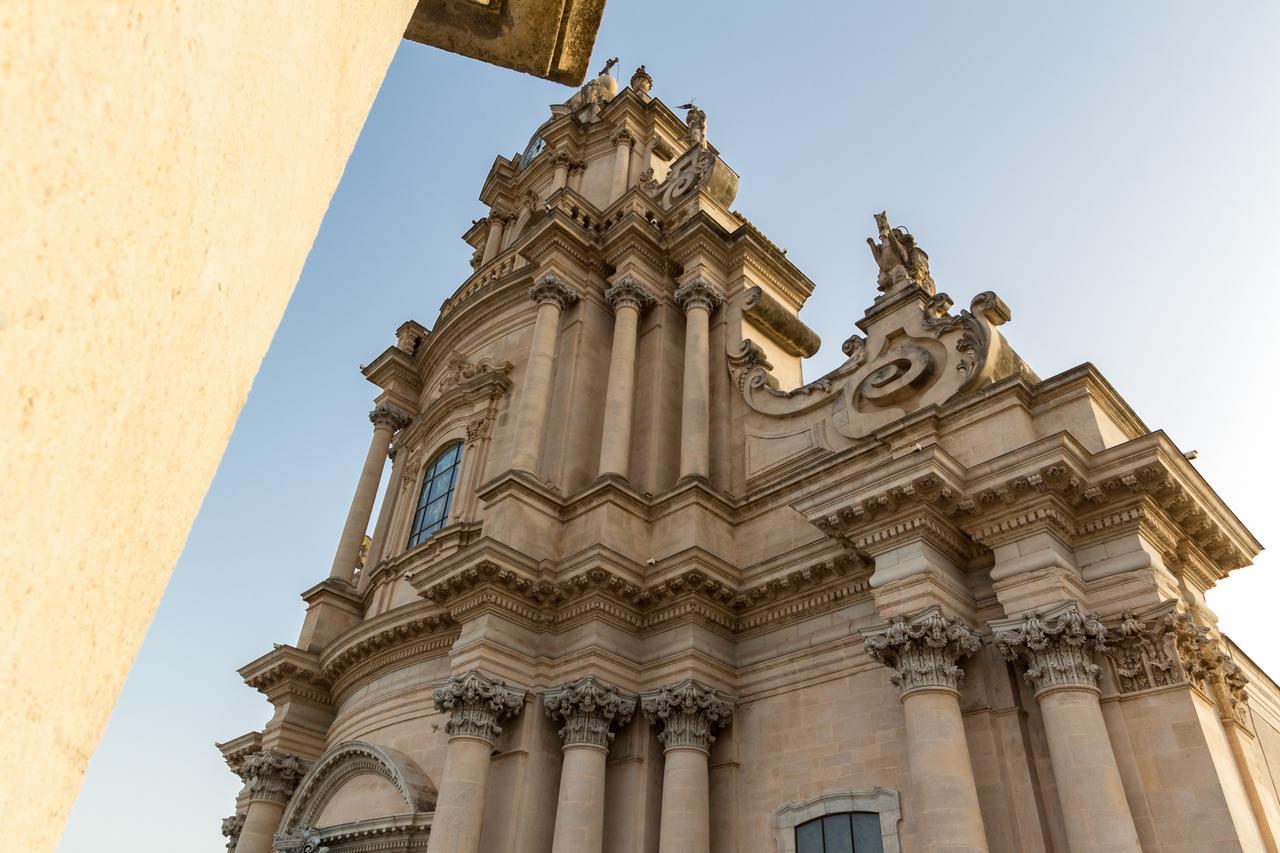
(899, 257)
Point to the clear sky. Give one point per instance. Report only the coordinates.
(1110, 169)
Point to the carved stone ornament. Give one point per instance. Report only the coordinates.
(901, 262)
(642, 81)
(477, 704)
(622, 136)
(695, 170)
(697, 292)
(696, 119)
(628, 292)
(923, 650)
(1157, 647)
(1056, 646)
(385, 415)
(590, 709)
(272, 775)
(551, 289)
(478, 427)
(302, 840)
(690, 713)
(231, 827)
(459, 370)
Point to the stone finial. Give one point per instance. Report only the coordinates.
(697, 292)
(690, 713)
(477, 704)
(628, 291)
(901, 261)
(923, 650)
(696, 120)
(1056, 646)
(231, 828)
(386, 415)
(589, 708)
(272, 775)
(641, 81)
(551, 289)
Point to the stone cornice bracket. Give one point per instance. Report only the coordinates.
(272, 775)
(552, 289)
(1056, 646)
(923, 650)
(231, 827)
(477, 704)
(690, 713)
(698, 292)
(590, 709)
(629, 291)
(386, 415)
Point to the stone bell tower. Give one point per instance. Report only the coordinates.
(637, 587)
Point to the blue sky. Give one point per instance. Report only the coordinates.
(1109, 169)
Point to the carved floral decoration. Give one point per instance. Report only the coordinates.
(923, 650)
(690, 713)
(590, 709)
(477, 704)
(1056, 647)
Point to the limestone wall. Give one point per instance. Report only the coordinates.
(165, 169)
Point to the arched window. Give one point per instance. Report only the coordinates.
(437, 494)
(845, 832)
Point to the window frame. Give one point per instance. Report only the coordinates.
(877, 800)
(418, 535)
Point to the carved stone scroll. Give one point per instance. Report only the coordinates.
(477, 704)
(1056, 646)
(272, 775)
(590, 710)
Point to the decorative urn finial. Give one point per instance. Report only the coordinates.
(641, 81)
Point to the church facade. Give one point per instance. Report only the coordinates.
(635, 586)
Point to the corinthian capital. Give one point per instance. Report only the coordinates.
(1056, 646)
(477, 705)
(697, 292)
(386, 415)
(622, 136)
(690, 713)
(551, 289)
(589, 708)
(231, 827)
(923, 650)
(272, 775)
(628, 291)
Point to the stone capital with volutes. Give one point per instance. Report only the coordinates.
(387, 416)
(590, 710)
(629, 292)
(231, 828)
(272, 775)
(690, 714)
(697, 292)
(1056, 646)
(623, 136)
(550, 289)
(923, 650)
(477, 705)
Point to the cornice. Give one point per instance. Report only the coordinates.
(286, 673)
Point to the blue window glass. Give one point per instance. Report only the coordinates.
(437, 494)
(856, 832)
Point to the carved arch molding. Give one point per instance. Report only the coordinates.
(345, 762)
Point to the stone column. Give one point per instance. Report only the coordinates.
(1056, 647)
(552, 296)
(493, 241)
(378, 545)
(589, 709)
(476, 706)
(697, 298)
(924, 651)
(622, 140)
(271, 778)
(628, 298)
(690, 713)
(386, 420)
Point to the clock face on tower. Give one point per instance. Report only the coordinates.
(536, 146)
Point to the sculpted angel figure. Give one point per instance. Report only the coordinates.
(899, 258)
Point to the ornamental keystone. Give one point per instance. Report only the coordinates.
(589, 708)
(477, 704)
(1056, 645)
(551, 289)
(690, 712)
(923, 650)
